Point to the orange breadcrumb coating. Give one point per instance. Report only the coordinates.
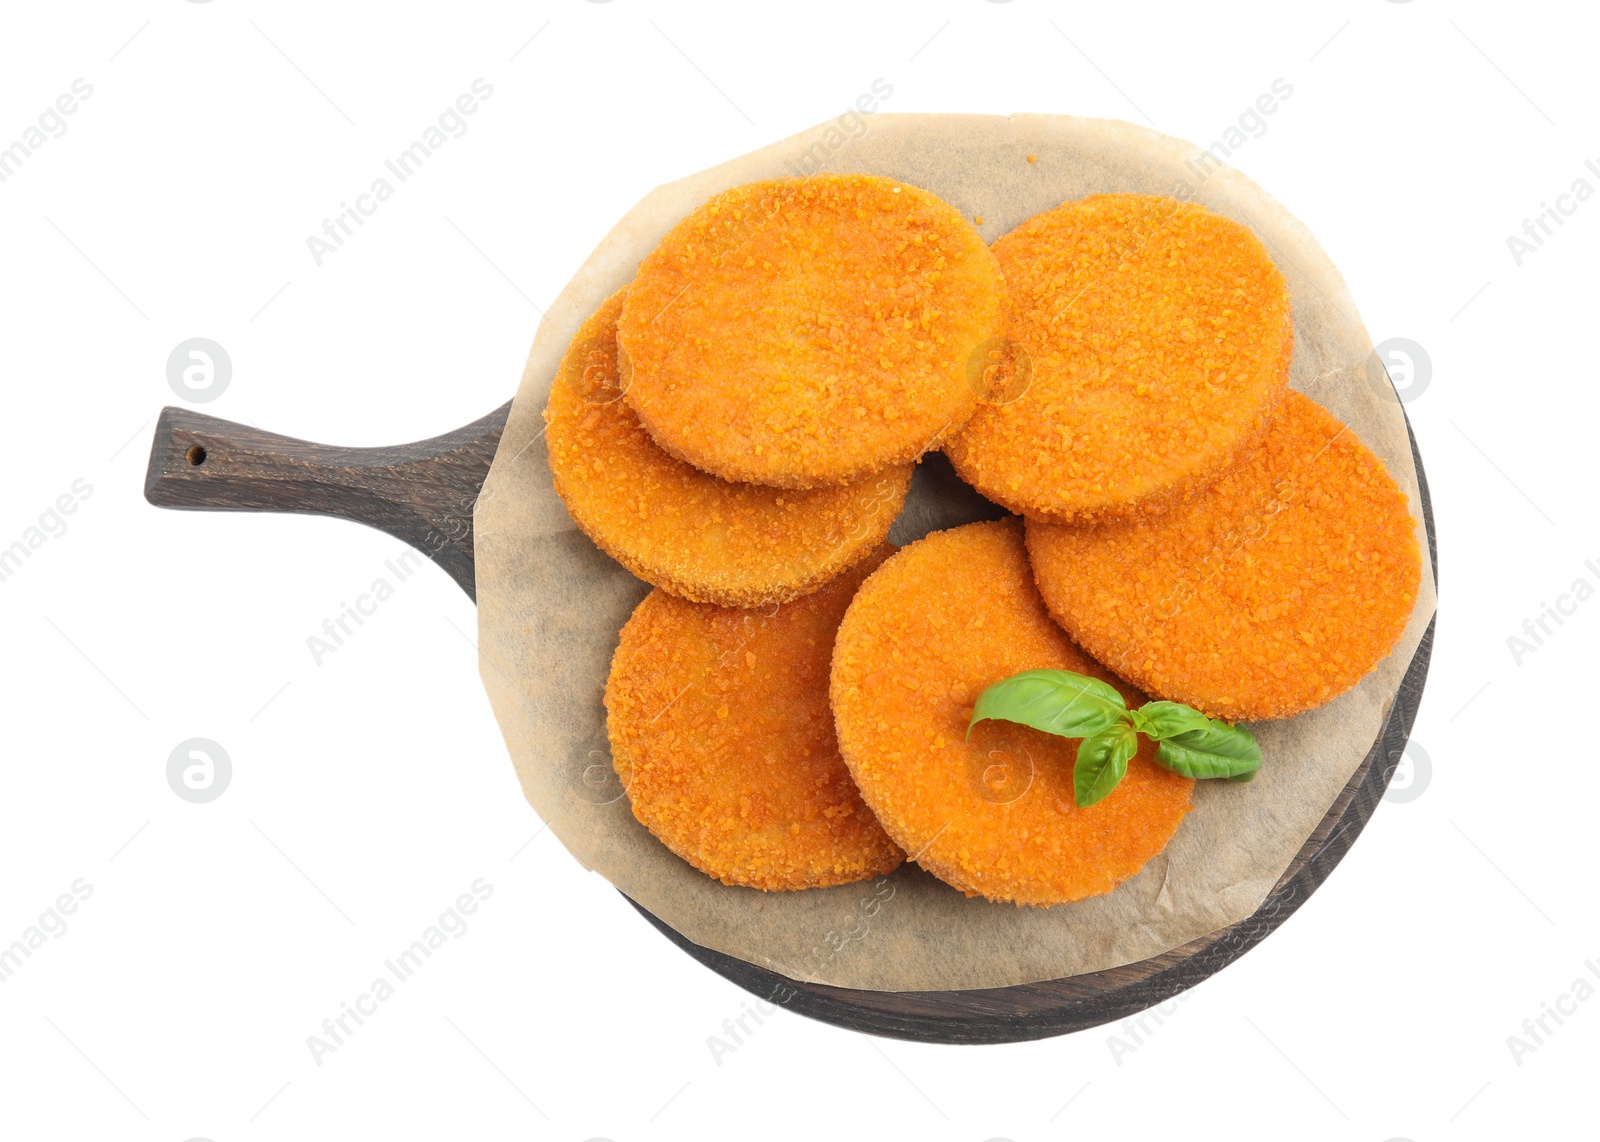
(938, 623)
(804, 332)
(706, 539)
(1160, 336)
(1274, 591)
(721, 733)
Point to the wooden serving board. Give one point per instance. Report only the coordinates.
(422, 493)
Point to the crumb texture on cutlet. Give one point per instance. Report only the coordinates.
(993, 815)
(722, 736)
(802, 332)
(681, 529)
(1275, 591)
(1159, 335)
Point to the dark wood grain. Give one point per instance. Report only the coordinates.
(423, 493)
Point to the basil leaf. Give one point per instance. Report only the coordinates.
(1055, 701)
(1073, 705)
(1102, 763)
(1219, 750)
(1160, 720)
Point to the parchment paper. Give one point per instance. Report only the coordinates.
(550, 604)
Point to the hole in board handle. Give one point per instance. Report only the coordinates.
(196, 455)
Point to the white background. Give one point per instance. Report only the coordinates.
(370, 790)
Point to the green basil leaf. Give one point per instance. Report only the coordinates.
(1102, 763)
(1055, 701)
(1161, 720)
(1219, 750)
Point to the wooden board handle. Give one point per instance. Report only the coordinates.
(421, 492)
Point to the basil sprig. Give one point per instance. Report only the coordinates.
(1075, 706)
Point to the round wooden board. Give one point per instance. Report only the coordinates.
(422, 493)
